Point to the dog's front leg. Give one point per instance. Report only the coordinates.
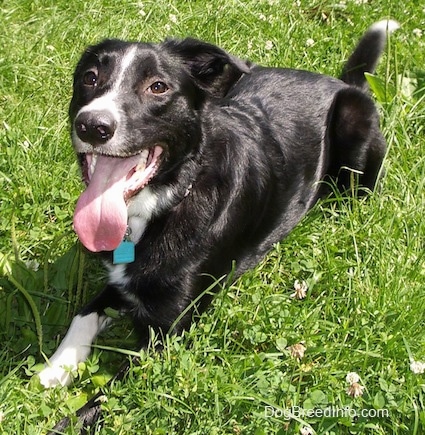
(74, 348)
(76, 345)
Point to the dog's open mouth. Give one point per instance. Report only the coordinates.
(100, 218)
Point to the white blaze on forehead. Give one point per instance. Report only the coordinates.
(126, 61)
(108, 101)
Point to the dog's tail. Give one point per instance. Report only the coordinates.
(367, 53)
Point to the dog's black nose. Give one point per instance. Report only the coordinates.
(96, 127)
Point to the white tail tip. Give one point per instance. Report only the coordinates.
(386, 26)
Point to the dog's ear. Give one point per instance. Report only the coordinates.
(213, 69)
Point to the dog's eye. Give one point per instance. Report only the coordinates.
(90, 78)
(158, 88)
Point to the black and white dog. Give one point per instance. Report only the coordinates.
(195, 160)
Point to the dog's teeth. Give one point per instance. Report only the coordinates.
(141, 166)
(143, 159)
(92, 164)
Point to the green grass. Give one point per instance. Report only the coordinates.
(363, 260)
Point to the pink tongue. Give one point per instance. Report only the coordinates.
(100, 217)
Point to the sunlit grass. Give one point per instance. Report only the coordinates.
(363, 261)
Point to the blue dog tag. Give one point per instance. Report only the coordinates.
(124, 253)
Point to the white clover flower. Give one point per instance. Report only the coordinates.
(305, 430)
(297, 350)
(300, 290)
(33, 265)
(269, 45)
(26, 144)
(352, 378)
(173, 18)
(418, 32)
(355, 390)
(417, 367)
(310, 42)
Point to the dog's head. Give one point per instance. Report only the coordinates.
(135, 116)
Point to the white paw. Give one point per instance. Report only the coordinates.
(61, 364)
(75, 348)
(53, 376)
